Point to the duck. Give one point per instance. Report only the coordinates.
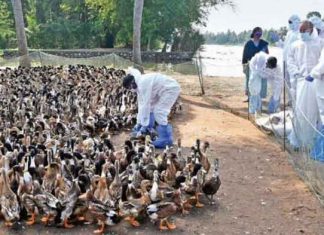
(155, 193)
(115, 187)
(203, 156)
(161, 212)
(46, 202)
(130, 209)
(28, 201)
(50, 178)
(212, 185)
(26, 194)
(170, 173)
(9, 203)
(194, 186)
(132, 191)
(104, 214)
(180, 162)
(101, 192)
(69, 203)
(160, 190)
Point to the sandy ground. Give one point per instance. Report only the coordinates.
(226, 92)
(260, 192)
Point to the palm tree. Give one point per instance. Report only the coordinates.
(20, 31)
(137, 23)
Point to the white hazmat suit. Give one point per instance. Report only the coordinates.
(302, 58)
(291, 37)
(318, 74)
(156, 94)
(259, 71)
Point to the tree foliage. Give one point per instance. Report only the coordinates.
(108, 23)
(233, 38)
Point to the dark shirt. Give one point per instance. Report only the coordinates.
(250, 49)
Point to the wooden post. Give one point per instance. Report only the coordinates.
(284, 98)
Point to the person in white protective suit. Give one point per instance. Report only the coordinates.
(317, 74)
(156, 94)
(319, 26)
(302, 58)
(292, 36)
(264, 66)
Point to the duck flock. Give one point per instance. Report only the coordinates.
(59, 165)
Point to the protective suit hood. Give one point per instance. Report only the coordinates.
(316, 21)
(295, 22)
(135, 72)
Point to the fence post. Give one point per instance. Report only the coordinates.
(198, 60)
(284, 98)
(201, 75)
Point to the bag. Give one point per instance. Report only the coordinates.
(306, 112)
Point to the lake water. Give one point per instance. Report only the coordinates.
(219, 60)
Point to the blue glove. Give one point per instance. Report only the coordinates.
(137, 127)
(274, 37)
(143, 130)
(309, 78)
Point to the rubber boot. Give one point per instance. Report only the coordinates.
(165, 136)
(152, 121)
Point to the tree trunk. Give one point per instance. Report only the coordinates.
(21, 35)
(137, 23)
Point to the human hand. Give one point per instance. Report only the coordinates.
(143, 130)
(309, 78)
(137, 127)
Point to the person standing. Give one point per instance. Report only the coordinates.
(292, 36)
(302, 58)
(251, 47)
(317, 74)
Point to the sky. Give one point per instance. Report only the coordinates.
(265, 13)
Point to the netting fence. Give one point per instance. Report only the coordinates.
(297, 126)
(188, 74)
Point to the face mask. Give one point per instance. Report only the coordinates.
(293, 26)
(306, 36)
(258, 34)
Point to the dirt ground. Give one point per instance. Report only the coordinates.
(260, 192)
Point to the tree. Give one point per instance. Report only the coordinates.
(137, 24)
(7, 31)
(21, 35)
(61, 24)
